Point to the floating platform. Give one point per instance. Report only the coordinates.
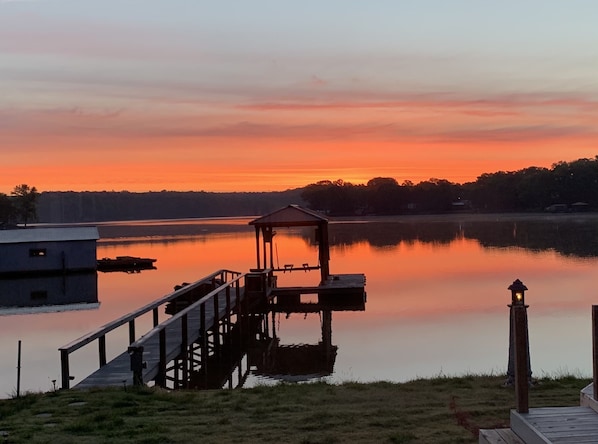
(126, 263)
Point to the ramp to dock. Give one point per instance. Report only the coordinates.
(219, 297)
(118, 372)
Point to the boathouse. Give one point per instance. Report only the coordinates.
(31, 251)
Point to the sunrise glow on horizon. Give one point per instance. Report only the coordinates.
(270, 95)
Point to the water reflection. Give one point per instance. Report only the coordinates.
(38, 294)
(437, 294)
(567, 235)
(255, 351)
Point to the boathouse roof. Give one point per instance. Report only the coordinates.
(290, 216)
(63, 234)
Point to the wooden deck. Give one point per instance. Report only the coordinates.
(499, 436)
(118, 371)
(336, 284)
(202, 303)
(556, 425)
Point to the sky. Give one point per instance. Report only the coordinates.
(267, 95)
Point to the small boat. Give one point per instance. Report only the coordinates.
(125, 263)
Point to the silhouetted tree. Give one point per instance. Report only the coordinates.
(7, 209)
(384, 196)
(24, 201)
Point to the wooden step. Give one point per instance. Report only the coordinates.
(586, 397)
(556, 425)
(499, 436)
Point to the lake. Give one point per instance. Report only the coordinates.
(436, 293)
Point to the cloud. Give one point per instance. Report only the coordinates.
(485, 106)
(518, 134)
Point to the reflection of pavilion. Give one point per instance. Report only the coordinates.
(297, 362)
(334, 292)
(38, 294)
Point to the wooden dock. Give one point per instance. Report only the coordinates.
(175, 351)
(556, 425)
(221, 296)
(171, 338)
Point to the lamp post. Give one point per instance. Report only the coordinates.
(517, 289)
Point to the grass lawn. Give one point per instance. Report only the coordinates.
(440, 410)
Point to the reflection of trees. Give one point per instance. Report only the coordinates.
(384, 234)
(570, 237)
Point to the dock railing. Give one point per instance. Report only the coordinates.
(136, 348)
(218, 277)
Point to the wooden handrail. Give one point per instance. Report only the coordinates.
(186, 310)
(100, 333)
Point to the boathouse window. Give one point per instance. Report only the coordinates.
(37, 252)
(39, 294)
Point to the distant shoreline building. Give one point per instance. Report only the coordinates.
(46, 251)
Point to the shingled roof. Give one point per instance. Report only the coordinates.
(290, 216)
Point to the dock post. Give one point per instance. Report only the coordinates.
(203, 344)
(19, 369)
(595, 348)
(521, 358)
(228, 310)
(185, 351)
(161, 378)
(131, 331)
(517, 289)
(102, 350)
(137, 365)
(216, 326)
(64, 369)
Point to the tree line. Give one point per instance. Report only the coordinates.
(563, 187)
(100, 206)
(18, 207)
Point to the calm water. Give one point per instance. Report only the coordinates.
(436, 294)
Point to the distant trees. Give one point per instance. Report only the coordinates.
(6, 209)
(97, 206)
(20, 206)
(529, 189)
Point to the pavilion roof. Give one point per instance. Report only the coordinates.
(290, 216)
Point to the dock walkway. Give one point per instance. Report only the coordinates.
(118, 371)
(217, 298)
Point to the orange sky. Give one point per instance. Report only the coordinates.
(114, 97)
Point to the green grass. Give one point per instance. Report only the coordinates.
(439, 410)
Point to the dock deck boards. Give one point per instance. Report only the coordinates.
(335, 283)
(556, 425)
(118, 372)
